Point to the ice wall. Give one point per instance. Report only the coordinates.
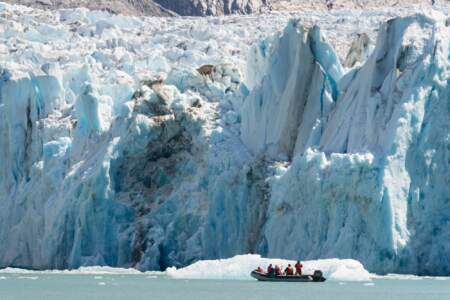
(284, 112)
(378, 167)
(116, 151)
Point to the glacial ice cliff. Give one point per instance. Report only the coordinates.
(116, 151)
(370, 173)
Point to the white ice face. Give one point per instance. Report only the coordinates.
(370, 148)
(116, 151)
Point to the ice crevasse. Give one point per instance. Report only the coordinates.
(302, 159)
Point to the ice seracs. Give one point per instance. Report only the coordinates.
(359, 50)
(375, 165)
(296, 93)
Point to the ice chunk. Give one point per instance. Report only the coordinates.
(93, 270)
(239, 267)
(92, 111)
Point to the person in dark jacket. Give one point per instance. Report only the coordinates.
(270, 270)
(298, 268)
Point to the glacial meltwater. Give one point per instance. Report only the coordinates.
(41, 286)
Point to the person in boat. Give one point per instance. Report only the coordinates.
(270, 270)
(277, 270)
(289, 271)
(259, 270)
(298, 268)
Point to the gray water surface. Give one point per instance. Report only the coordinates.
(112, 287)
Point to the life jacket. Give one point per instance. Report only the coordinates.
(277, 270)
(298, 269)
(289, 271)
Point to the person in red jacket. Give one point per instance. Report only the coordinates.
(277, 270)
(289, 270)
(298, 268)
(270, 269)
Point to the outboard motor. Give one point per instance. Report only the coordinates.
(318, 276)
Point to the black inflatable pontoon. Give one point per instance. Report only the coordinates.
(316, 277)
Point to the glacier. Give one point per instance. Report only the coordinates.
(117, 152)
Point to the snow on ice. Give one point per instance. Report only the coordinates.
(116, 151)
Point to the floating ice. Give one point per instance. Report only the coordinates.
(29, 277)
(239, 267)
(407, 277)
(93, 270)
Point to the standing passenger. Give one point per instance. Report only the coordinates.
(298, 268)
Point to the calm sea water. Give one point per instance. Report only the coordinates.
(129, 287)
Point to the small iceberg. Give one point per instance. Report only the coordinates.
(240, 266)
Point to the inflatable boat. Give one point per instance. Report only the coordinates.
(316, 277)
